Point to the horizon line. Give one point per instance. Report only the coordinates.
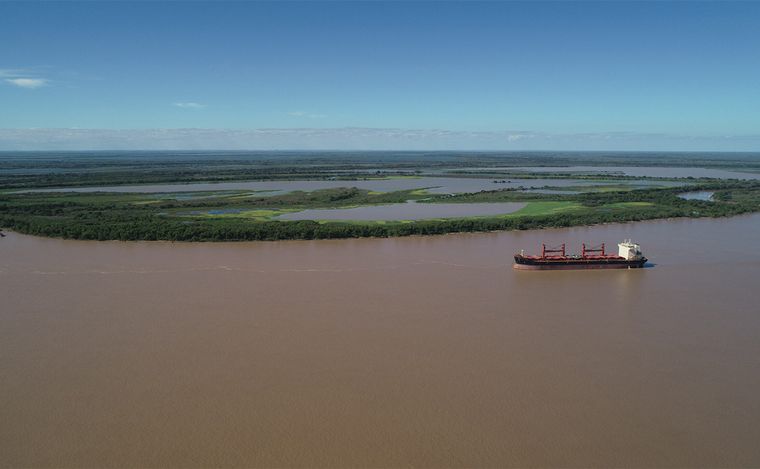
(367, 150)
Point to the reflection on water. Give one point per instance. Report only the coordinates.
(419, 351)
(707, 196)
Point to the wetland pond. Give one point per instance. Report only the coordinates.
(706, 196)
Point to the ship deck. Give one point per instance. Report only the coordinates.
(570, 258)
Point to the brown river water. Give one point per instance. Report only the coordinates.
(435, 185)
(421, 351)
(638, 171)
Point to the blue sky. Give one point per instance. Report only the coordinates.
(426, 75)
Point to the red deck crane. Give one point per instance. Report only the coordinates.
(558, 249)
(596, 249)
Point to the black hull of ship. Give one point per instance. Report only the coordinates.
(522, 263)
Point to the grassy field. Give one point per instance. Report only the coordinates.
(542, 208)
(630, 205)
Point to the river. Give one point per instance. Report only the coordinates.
(643, 171)
(435, 185)
(419, 351)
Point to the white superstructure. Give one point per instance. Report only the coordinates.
(629, 250)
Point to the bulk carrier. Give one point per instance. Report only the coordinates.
(629, 256)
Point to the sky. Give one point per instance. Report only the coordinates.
(426, 75)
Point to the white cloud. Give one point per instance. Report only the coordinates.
(22, 78)
(29, 83)
(190, 105)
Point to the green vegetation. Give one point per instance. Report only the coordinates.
(541, 208)
(251, 215)
(248, 216)
(603, 188)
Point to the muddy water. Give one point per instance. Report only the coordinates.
(436, 185)
(646, 171)
(413, 351)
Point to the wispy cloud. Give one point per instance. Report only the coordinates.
(189, 105)
(29, 83)
(308, 115)
(22, 78)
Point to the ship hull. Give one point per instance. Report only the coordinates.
(522, 263)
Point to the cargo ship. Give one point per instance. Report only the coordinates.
(629, 256)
